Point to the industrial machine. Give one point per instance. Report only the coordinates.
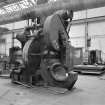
(4, 65)
(44, 58)
(46, 54)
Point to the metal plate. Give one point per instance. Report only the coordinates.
(31, 54)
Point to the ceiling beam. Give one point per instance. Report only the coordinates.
(7, 2)
(43, 10)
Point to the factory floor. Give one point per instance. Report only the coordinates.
(88, 90)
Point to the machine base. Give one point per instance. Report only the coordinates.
(18, 78)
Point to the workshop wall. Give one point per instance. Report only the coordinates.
(96, 30)
(4, 47)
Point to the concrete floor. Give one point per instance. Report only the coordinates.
(88, 90)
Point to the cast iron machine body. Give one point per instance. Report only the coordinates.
(45, 54)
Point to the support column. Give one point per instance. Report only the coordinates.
(85, 55)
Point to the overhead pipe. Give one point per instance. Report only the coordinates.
(46, 9)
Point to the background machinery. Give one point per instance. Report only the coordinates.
(92, 63)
